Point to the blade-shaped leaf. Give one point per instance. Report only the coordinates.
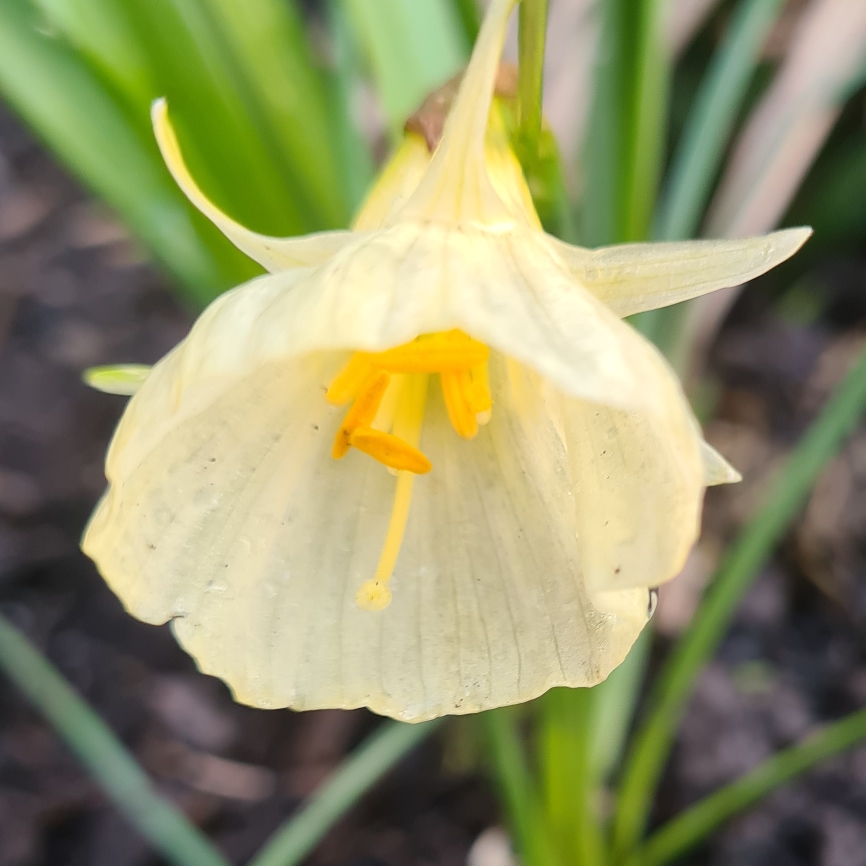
(624, 146)
(67, 104)
(274, 58)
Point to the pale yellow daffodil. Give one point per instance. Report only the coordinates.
(422, 466)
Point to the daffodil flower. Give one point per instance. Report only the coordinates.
(422, 466)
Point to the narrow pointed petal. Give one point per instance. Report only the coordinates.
(121, 379)
(632, 278)
(456, 188)
(236, 523)
(717, 470)
(273, 254)
(506, 290)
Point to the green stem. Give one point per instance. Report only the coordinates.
(367, 764)
(653, 739)
(517, 788)
(103, 755)
(647, 114)
(680, 834)
(571, 786)
(531, 35)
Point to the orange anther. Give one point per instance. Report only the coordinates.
(479, 391)
(390, 450)
(350, 379)
(433, 353)
(362, 413)
(456, 389)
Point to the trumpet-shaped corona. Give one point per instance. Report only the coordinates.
(422, 465)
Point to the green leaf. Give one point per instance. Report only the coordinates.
(413, 46)
(359, 772)
(470, 17)
(696, 823)
(355, 159)
(624, 149)
(712, 118)
(227, 139)
(103, 755)
(59, 95)
(654, 737)
(570, 785)
(100, 31)
(289, 96)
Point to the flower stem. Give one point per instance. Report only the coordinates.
(518, 788)
(532, 30)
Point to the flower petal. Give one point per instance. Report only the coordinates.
(631, 278)
(238, 524)
(508, 290)
(273, 254)
(640, 483)
(395, 184)
(717, 470)
(456, 187)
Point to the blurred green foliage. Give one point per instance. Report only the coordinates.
(263, 99)
(269, 98)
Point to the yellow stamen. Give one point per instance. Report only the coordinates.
(390, 390)
(388, 408)
(375, 594)
(390, 450)
(350, 379)
(410, 410)
(362, 413)
(433, 353)
(456, 389)
(479, 394)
